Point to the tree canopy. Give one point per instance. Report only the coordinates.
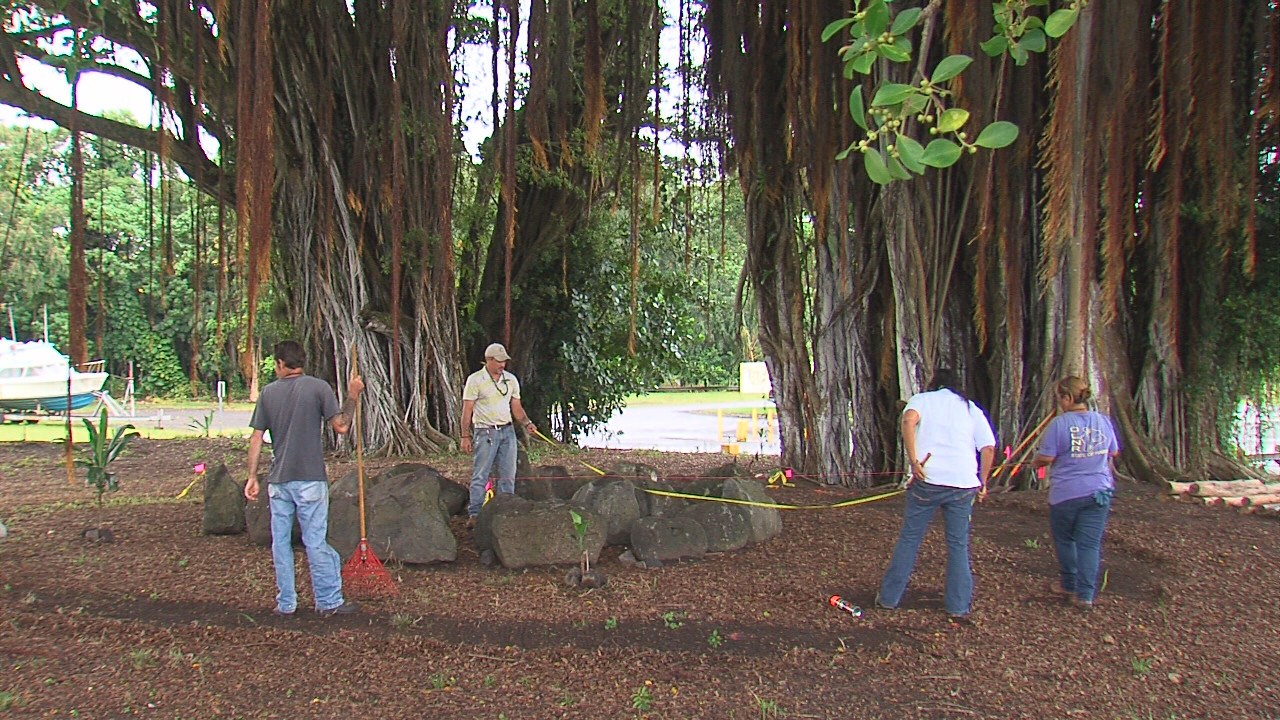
(1115, 235)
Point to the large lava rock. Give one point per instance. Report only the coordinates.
(407, 512)
(223, 504)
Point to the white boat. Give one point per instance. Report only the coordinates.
(34, 378)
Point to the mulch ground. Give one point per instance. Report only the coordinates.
(167, 623)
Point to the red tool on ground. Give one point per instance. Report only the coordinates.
(364, 575)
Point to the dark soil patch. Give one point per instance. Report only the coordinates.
(165, 622)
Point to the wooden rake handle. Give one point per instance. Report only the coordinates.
(355, 428)
(1018, 451)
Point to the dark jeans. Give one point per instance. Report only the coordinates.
(1077, 526)
(923, 500)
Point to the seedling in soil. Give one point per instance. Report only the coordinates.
(669, 619)
(142, 658)
(202, 424)
(583, 575)
(610, 623)
(1032, 543)
(1141, 666)
(100, 454)
(768, 708)
(641, 699)
(715, 640)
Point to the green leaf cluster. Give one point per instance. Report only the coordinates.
(897, 111)
(1019, 32)
(101, 452)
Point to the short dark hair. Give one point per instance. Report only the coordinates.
(290, 353)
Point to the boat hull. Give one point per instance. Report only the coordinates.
(50, 395)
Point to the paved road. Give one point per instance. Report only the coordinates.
(686, 428)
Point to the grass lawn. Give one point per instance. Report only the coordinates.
(56, 431)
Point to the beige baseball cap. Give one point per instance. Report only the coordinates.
(497, 352)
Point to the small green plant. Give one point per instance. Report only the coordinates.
(1141, 666)
(580, 525)
(488, 681)
(715, 639)
(203, 424)
(669, 619)
(566, 700)
(142, 658)
(441, 680)
(1032, 543)
(101, 453)
(183, 562)
(642, 699)
(6, 699)
(768, 708)
(401, 620)
(610, 623)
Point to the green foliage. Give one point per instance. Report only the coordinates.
(579, 529)
(889, 147)
(142, 265)
(715, 639)
(642, 699)
(99, 455)
(202, 424)
(592, 365)
(1241, 359)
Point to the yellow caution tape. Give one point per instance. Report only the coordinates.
(779, 478)
(190, 485)
(732, 501)
(592, 468)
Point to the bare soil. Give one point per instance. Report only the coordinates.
(167, 623)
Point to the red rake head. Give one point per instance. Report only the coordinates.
(364, 576)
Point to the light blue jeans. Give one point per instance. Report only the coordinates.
(1077, 526)
(492, 450)
(309, 501)
(923, 500)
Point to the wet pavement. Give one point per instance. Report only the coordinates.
(693, 428)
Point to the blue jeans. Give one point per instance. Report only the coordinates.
(1077, 526)
(492, 449)
(309, 501)
(923, 500)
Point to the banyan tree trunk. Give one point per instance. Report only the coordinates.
(336, 214)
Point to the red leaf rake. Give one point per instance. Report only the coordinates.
(363, 575)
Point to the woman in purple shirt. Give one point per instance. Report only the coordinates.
(1078, 446)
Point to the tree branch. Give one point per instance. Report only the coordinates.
(206, 174)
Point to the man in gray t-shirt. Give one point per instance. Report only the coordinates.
(294, 409)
